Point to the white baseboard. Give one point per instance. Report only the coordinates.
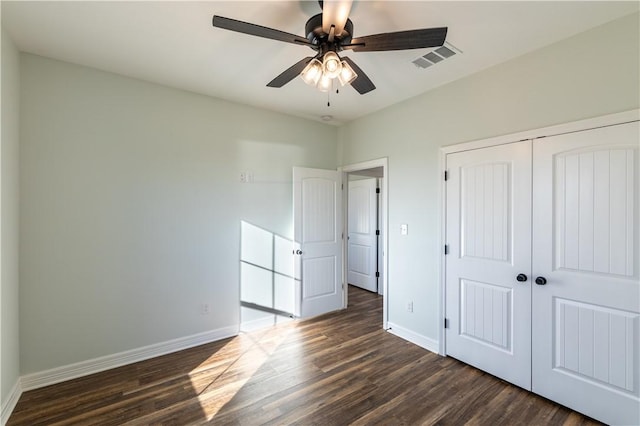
(413, 337)
(10, 404)
(96, 365)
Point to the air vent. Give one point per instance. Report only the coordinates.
(445, 52)
(438, 54)
(422, 63)
(432, 57)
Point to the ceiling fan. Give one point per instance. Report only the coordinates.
(329, 33)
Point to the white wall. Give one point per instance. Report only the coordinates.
(591, 74)
(131, 206)
(9, 340)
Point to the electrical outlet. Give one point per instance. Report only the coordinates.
(246, 177)
(204, 308)
(409, 306)
(404, 229)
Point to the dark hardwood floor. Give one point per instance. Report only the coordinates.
(337, 369)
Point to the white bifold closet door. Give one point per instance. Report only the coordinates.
(561, 212)
(585, 324)
(489, 238)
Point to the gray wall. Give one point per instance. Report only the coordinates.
(131, 206)
(9, 338)
(592, 74)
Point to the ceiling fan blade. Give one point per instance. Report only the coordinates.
(400, 40)
(335, 13)
(290, 73)
(257, 30)
(362, 84)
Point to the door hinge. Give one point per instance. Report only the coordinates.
(446, 249)
(446, 175)
(377, 232)
(377, 274)
(377, 190)
(342, 236)
(446, 323)
(342, 186)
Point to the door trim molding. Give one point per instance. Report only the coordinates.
(384, 184)
(533, 134)
(570, 127)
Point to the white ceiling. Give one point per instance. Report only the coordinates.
(174, 44)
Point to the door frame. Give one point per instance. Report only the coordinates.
(373, 191)
(384, 207)
(533, 134)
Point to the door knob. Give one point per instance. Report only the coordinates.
(541, 280)
(521, 278)
(298, 252)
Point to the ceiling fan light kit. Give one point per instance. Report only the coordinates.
(325, 83)
(312, 72)
(331, 64)
(331, 32)
(321, 74)
(347, 74)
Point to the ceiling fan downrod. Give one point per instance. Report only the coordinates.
(317, 37)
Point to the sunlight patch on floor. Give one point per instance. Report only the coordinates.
(249, 351)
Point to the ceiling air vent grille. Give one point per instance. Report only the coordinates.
(436, 55)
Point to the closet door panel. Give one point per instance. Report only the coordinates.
(489, 236)
(586, 318)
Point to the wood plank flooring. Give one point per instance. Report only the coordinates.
(337, 369)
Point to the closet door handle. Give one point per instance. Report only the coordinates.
(541, 280)
(521, 278)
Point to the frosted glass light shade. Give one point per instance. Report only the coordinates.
(324, 85)
(331, 65)
(347, 74)
(312, 72)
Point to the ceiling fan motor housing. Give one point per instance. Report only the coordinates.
(318, 38)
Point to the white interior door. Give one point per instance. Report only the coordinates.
(586, 327)
(489, 237)
(317, 201)
(362, 248)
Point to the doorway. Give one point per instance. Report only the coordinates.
(377, 170)
(363, 232)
